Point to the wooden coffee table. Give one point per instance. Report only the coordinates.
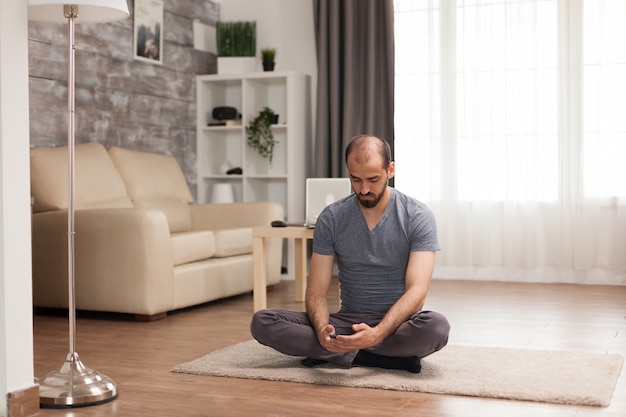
(259, 234)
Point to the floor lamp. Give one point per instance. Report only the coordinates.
(74, 384)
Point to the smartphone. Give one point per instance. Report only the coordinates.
(333, 336)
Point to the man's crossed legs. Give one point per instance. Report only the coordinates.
(290, 332)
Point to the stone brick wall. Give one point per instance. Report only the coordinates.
(121, 101)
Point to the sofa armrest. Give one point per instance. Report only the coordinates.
(123, 260)
(234, 215)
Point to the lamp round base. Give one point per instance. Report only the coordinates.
(74, 385)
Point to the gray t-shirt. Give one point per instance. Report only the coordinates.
(372, 263)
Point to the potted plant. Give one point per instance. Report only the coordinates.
(268, 55)
(236, 46)
(259, 132)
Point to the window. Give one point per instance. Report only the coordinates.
(604, 98)
(510, 100)
(510, 123)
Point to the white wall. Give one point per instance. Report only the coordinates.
(16, 331)
(288, 26)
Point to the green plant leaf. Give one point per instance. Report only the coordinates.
(236, 38)
(259, 132)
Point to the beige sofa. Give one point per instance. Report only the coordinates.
(141, 246)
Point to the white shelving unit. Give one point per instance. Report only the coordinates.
(282, 181)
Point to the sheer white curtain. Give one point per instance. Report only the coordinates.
(510, 123)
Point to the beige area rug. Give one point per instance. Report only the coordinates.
(533, 375)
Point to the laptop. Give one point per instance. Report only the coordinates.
(321, 192)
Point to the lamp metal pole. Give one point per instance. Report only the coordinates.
(73, 384)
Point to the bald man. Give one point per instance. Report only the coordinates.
(384, 244)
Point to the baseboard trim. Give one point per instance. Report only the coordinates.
(23, 403)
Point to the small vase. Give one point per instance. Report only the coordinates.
(268, 66)
(226, 165)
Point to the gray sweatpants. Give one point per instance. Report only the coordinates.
(290, 332)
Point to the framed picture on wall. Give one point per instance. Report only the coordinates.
(148, 27)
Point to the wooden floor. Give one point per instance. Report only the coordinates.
(138, 356)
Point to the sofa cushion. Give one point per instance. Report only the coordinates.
(97, 183)
(155, 181)
(177, 212)
(230, 242)
(192, 246)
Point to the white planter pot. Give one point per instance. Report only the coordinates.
(236, 65)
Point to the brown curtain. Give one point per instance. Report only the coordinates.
(355, 55)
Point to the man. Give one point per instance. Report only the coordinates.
(384, 243)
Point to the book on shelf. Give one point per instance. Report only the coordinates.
(233, 122)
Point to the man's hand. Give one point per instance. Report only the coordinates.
(323, 336)
(364, 337)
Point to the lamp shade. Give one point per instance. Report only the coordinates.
(95, 11)
(222, 193)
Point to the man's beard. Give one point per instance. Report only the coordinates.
(371, 202)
